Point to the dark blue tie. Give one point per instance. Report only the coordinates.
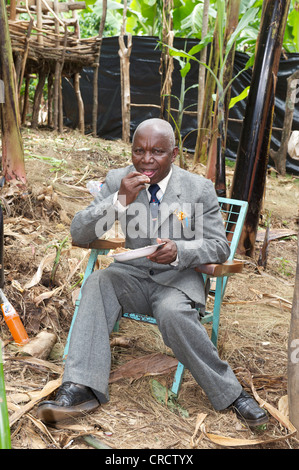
(154, 202)
(153, 189)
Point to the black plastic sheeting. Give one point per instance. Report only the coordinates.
(145, 81)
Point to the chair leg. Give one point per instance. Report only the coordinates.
(178, 379)
(217, 307)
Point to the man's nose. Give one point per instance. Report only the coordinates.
(148, 156)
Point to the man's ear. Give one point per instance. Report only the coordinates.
(174, 153)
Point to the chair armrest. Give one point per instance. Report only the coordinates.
(101, 244)
(217, 270)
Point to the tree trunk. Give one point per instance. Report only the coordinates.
(96, 71)
(12, 145)
(280, 156)
(293, 354)
(252, 157)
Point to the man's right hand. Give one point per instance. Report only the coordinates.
(130, 187)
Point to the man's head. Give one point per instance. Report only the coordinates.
(154, 149)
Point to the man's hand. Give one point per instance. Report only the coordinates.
(165, 254)
(130, 187)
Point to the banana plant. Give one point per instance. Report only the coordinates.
(221, 86)
(12, 144)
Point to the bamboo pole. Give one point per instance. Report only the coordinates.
(96, 70)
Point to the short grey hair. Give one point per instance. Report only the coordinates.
(161, 125)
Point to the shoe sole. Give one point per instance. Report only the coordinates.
(253, 422)
(51, 413)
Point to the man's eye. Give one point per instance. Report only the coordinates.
(158, 151)
(138, 151)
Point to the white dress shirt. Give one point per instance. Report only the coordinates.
(162, 184)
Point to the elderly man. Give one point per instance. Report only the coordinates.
(147, 198)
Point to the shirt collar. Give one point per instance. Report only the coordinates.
(163, 183)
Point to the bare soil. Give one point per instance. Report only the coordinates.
(254, 321)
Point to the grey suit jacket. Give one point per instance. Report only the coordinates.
(189, 214)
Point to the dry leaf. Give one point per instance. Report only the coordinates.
(38, 275)
(153, 364)
(47, 390)
(199, 421)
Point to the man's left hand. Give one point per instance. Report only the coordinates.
(166, 253)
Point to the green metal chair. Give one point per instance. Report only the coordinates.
(233, 212)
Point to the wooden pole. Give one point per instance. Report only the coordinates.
(39, 21)
(26, 99)
(124, 53)
(37, 99)
(279, 156)
(293, 354)
(96, 70)
(81, 120)
(61, 64)
(56, 75)
(166, 61)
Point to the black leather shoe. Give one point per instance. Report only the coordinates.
(71, 400)
(248, 410)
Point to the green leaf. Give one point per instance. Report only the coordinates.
(240, 97)
(185, 69)
(160, 393)
(248, 17)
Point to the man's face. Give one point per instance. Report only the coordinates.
(152, 153)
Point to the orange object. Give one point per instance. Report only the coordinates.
(13, 321)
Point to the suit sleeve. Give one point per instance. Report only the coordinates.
(96, 219)
(210, 244)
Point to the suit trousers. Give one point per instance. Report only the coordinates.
(107, 294)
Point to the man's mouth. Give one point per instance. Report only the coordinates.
(149, 173)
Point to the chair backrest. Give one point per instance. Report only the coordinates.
(234, 213)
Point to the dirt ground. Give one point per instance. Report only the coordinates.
(253, 331)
